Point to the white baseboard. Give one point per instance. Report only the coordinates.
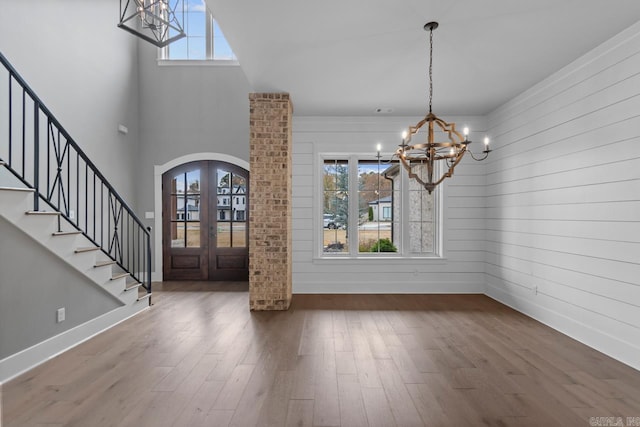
(369, 287)
(27, 359)
(622, 351)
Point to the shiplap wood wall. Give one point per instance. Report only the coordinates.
(563, 200)
(462, 267)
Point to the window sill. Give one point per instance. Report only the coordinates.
(197, 63)
(400, 260)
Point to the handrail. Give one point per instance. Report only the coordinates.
(47, 161)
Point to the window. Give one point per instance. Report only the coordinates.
(204, 40)
(335, 206)
(370, 208)
(386, 213)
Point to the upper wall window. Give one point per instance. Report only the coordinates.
(204, 41)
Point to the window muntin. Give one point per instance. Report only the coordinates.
(391, 215)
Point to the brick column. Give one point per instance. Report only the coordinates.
(270, 201)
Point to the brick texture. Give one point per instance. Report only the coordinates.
(270, 207)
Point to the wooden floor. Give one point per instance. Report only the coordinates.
(199, 358)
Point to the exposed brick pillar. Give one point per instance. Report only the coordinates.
(270, 201)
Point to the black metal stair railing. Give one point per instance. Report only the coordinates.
(38, 151)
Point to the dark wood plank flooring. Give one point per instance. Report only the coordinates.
(198, 357)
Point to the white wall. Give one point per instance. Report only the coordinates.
(187, 110)
(461, 269)
(563, 199)
(29, 297)
(85, 71)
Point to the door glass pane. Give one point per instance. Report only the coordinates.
(239, 235)
(238, 207)
(193, 234)
(224, 235)
(191, 212)
(193, 182)
(177, 208)
(239, 184)
(177, 184)
(177, 234)
(223, 179)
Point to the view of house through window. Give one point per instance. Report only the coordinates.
(395, 215)
(204, 40)
(375, 206)
(231, 204)
(185, 209)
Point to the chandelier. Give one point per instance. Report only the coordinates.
(159, 22)
(443, 143)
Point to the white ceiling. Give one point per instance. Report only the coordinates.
(350, 57)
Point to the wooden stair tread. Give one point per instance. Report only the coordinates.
(145, 296)
(43, 213)
(23, 189)
(133, 286)
(103, 263)
(119, 276)
(87, 249)
(66, 233)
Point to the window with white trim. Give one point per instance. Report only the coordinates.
(372, 208)
(204, 40)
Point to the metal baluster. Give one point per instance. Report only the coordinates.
(102, 216)
(148, 254)
(10, 119)
(86, 198)
(24, 134)
(48, 157)
(94, 204)
(77, 188)
(36, 153)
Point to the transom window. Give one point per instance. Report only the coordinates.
(204, 40)
(372, 208)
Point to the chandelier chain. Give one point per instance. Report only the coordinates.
(430, 68)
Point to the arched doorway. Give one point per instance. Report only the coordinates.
(205, 207)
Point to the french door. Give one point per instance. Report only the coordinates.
(205, 207)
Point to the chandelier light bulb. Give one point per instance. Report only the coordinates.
(378, 147)
(486, 141)
(404, 134)
(465, 131)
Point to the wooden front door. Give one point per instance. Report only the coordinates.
(205, 207)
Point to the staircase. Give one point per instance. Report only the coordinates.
(52, 192)
(70, 245)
